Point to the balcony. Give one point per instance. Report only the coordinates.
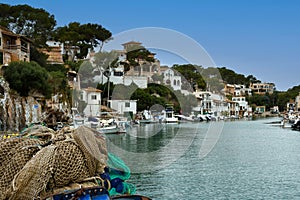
(15, 48)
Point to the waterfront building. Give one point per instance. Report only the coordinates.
(92, 98)
(219, 105)
(242, 105)
(210, 103)
(260, 109)
(262, 88)
(204, 102)
(13, 47)
(233, 108)
(124, 107)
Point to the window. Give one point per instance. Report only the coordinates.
(127, 104)
(94, 97)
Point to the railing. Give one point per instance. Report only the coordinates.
(24, 49)
(15, 47)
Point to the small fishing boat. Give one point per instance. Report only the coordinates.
(109, 128)
(93, 193)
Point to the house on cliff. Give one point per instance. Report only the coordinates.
(13, 47)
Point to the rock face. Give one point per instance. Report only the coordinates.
(16, 112)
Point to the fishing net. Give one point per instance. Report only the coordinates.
(119, 173)
(43, 160)
(15, 153)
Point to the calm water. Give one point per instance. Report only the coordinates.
(251, 160)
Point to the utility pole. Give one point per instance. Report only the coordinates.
(108, 84)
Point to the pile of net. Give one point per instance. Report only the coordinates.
(42, 162)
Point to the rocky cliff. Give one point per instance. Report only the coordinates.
(16, 112)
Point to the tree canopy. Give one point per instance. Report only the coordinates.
(231, 77)
(140, 52)
(25, 77)
(84, 36)
(192, 76)
(35, 23)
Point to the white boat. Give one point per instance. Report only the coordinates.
(285, 124)
(147, 117)
(184, 118)
(108, 126)
(168, 115)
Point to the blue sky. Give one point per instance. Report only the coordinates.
(259, 37)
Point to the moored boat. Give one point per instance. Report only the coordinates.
(296, 125)
(168, 115)
(108, 126)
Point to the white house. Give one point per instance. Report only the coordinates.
(92, 97)
(124, 107)
(211, 103)
(243, 104)
(219, 105)
(241, 90)
(117, 76)
(204, 102)
(170, 78)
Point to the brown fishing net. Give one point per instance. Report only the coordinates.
(43, 161)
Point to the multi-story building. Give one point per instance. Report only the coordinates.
(204, 102)
(262, 88)
(13, 47)
(219, 105)
(242, 104)
(210, 103)
(229, 89)
(233, 108)
(237, 90)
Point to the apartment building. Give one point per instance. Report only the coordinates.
(262, 88)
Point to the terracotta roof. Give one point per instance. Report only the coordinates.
(90, 89)
(8, 32)
(132, 42)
